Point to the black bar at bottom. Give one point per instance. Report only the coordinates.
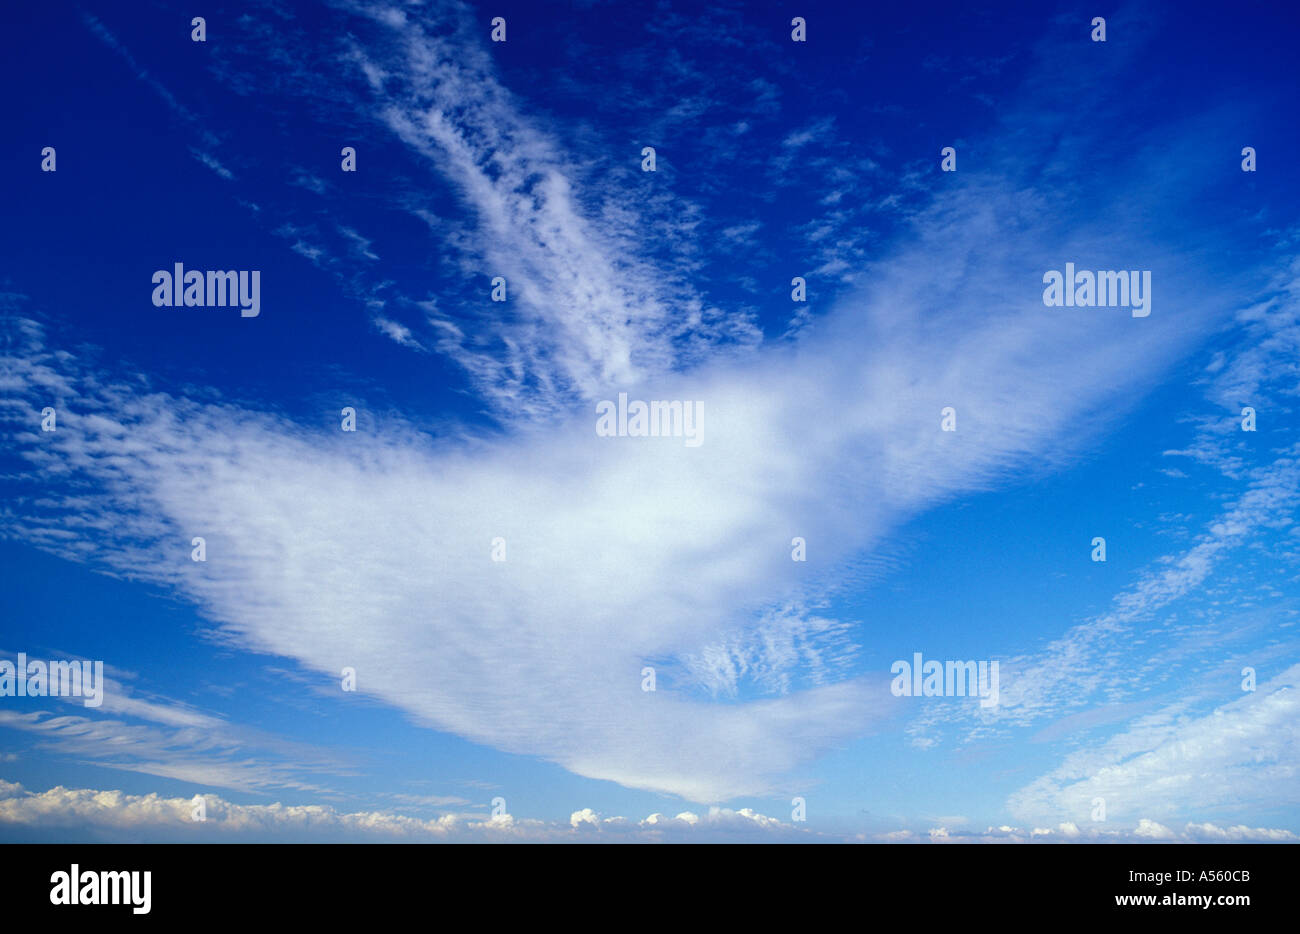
(302, 882)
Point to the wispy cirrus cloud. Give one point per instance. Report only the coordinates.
(621, 554)
(618, 553)
(1191, 742)
(153, 735)
(1172, 762)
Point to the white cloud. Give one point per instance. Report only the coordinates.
(213, 163)
(583, 310)
(618, 551)
(108, 814)
(398, 332)
(372, 550)
(1170, 764)
(1152, 830)
(91, 814)
(160, 736)
(621, 553)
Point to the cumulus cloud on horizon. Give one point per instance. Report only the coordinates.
(90, 813)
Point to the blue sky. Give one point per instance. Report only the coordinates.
(521, 679)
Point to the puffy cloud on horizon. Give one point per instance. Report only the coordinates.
(90, 812)
(87, 814)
